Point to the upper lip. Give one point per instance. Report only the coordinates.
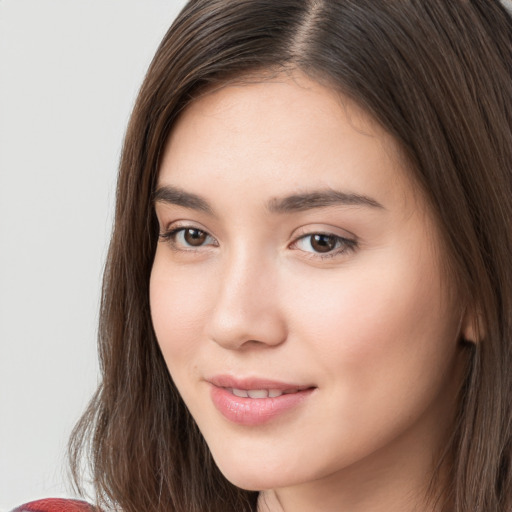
(228, 381)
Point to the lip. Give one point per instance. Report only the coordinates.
(255, 411)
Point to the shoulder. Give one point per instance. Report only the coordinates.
(56, 505)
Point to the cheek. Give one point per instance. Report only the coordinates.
(179, 303)
(378, 322)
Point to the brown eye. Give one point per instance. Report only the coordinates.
(194, 237)
(323, 243)
(188, 238)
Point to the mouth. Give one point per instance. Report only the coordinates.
(252, 402)
(262, 393)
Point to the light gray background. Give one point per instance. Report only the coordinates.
(69, 73)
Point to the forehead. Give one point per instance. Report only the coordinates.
(288, 130)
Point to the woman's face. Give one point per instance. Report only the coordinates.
(296, 292)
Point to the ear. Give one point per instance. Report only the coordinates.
(472, 326)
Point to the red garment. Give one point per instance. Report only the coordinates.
(56, 505)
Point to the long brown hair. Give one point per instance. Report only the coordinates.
(437, 75)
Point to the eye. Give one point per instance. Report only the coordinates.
(191, 236)
(324, 244)
(184, 238)
(320, 242)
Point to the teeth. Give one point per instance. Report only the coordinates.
(259, 393)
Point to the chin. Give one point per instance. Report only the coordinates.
(254, 481)
(259, 475)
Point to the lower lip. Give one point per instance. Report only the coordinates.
(255, 411)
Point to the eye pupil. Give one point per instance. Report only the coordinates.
(323, 243)
(194, 237)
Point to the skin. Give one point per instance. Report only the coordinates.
(373, 325)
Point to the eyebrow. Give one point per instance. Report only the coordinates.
(179, 197)
(293, 203)
(320, 199)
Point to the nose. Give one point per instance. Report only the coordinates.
(247, 310)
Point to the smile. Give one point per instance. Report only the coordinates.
(253, 402)
(260, 393)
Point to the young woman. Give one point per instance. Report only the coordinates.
(307, 300)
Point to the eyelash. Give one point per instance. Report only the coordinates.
(342, 245)
(171, 235)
